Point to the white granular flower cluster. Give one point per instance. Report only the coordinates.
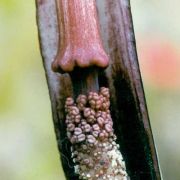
(90, 130)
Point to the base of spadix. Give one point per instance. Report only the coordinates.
(94, 149)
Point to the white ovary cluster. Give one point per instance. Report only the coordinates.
(90, 131)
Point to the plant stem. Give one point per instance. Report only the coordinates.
(84, 81)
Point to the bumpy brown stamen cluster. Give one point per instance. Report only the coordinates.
(90, 130)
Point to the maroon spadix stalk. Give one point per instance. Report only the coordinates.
(80, 50)
(80, 43)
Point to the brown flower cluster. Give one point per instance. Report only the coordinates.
(90, 130)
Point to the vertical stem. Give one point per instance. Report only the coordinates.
(84, 81)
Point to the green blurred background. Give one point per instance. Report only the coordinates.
(28, 147)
